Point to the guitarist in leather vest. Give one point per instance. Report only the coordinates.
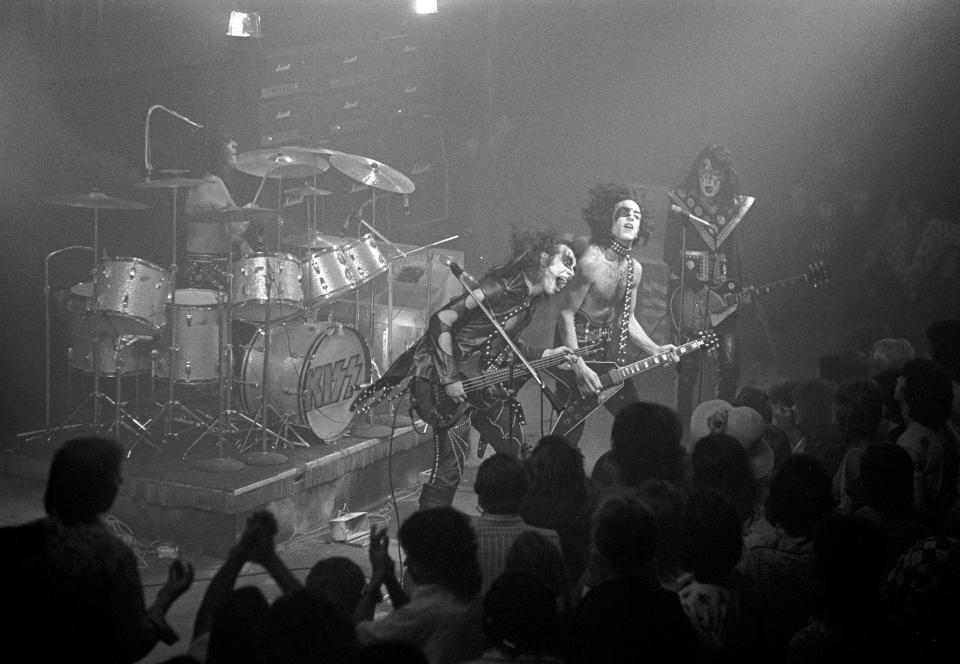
(601, 299)
(461, 344)
(708, 259)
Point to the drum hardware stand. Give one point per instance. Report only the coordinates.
(167, 409)
(221, 463)
(122, 418)
(263, 457)
(48, 400)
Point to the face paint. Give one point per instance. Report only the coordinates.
(711, 179)
(626, 222)
(558, 273)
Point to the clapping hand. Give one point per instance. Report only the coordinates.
(256, 542)
(380, 560)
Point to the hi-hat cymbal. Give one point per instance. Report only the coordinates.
(170, 183)
(305, 240)
(285, 162)
(372, 173)
(224, 215)
(307, 191)
(95, 199)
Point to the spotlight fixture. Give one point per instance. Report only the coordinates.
(425, 6)
(244, 24)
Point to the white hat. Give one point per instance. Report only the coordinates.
(746, 425)
(709, 417)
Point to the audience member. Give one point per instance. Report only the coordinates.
(443, 615)
(747, 426)
(304, 627)
(922, 595)
(850, 626)
(813, 407)
(775, 438)
(857, 408)
(560, 497)
(534, 554)
(887, 479)
(255, 545)
(236, 635)
(628, 617)
(890, 353)
(644, 444)
(709, 417)
(75, 586)
(501, 486)
(391, 652)
(926, 395)
(780, 563)
(340, 580)
(521, 621)
(781, 399)
(837, 367)
(720, 462)
(944, 339)
(714, 595)
(891, 422)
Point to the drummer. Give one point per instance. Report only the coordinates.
(210, 246)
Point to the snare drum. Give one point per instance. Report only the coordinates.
(266, 279)
(327, 274)
(314, 374)
(367, 259)
(198, 338)
(129, 297)
(124, 355)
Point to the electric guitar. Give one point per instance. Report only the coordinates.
(432, 403)
(612, 376)
(690, 318)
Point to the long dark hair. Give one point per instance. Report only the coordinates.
(599, 210)
(526, 246)
(721, 158)
(83, 480)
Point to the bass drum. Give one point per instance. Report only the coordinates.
(315, 370)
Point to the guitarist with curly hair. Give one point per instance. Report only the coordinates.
(455, 367)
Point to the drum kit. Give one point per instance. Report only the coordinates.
(298, 371)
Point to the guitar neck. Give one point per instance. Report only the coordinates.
(738, 298)
(497, 376)
(619, 374)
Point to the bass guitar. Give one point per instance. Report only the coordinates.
(719, 303)
(432, 403)
(612, 376)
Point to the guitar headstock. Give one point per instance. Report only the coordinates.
(817, 274)
(708, 339)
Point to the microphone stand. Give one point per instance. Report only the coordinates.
(147, 152)
(517, 355)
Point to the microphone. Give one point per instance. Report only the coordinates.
(459, 272)
(406, 204)
(676, 209)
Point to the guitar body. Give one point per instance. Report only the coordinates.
(430, 400)
(689, 316)
(579, 408)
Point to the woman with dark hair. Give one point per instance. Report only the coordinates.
(442, 616)
(560, 497)
(925, 395)
(720, 462)
(461, 343)
(703, 259)
(76, 585)
(780, 563)
(644, 444)
(712, 592)
(813, 408)
(857, 408)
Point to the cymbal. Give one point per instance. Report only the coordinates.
(224, 215)
(95, 199)
(307, 191)
(170, 183)
(281, 163)
(323, 151)
(305, 240)
(372, 173)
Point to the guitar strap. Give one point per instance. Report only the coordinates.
(625, 314)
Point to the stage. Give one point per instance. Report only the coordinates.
(166, 497)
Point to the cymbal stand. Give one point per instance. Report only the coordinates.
(222, 463)
(167, 409)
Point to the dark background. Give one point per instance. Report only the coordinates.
(536, 102)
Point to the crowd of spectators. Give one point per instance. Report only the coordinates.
(813, 520)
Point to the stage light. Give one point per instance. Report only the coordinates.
(425, 6)
(244, 24)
